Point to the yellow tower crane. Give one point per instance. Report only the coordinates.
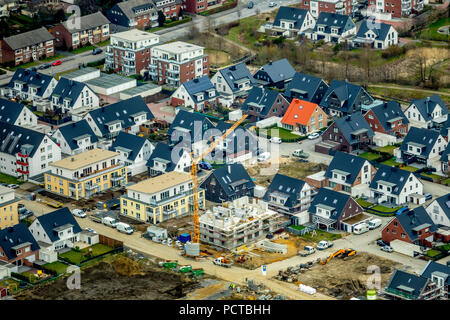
(195, 161)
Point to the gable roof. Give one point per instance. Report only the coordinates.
(164, 152)
(417, 217)
(29, 38)
(30, 77)
(353, 123)
(444, 203)
(10, 111)
(131, 8)
(230, 176)
(16, 236)
(299, 111)
(190, 124)
(235, 73)
(306, 85)
(67, 90)
(14, 139)
(261, 98)
(407, 282)
(86, 22)
(198, 85)
(279, 70)
(393, 175)
(381, 31)
(387, 112)
(346, 162)
(422, 136)
(240, 140)
(330, 198)
(346, 93)
(120, 111)
(130, 142)
(427, 105)
(289, 13)
(445, 154)
(71, 132)
(432, 267)
(329, 20)
(287, 186)
(56, 219)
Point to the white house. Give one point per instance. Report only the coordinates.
(439, 210)
(292, 21)
(332, 27)
(73, 96)
(165, 158)
(16, 114)
(427, 112)
(75, 137)
(30, 85)
(195, 94)
(379, 35)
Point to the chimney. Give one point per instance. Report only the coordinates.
(229, 169)
(270, 62)
(233, 68)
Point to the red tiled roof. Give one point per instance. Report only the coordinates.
(299, 111)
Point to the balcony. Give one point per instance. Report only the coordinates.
(169, 212)
(116, 178)
(25, 164)
(129, 57)
(84, 176)
(25, 171)
(75, 189)
(22, 155)
(91, 186)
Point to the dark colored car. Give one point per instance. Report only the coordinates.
(97, 51)
(44, 66)
(428, 196)
(204, 165)
(26, 214)
(381, 243)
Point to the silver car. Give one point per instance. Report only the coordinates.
(387, 249)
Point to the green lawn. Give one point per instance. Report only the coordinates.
(446, 182)
(432, 253)
(285, 135)
(11, 282)
(57, 266)
(83, 49)
(242, 29)
(431, 33)
(391, 162)
(433, 176)
(445, 247)
(297, 227)
(385, 209)
(4, 178)
(370, 156)
(322, 235)
(103, 43)
(388, 149)
(363, 203)
(58, 75)
(401, 94)
(76, 257)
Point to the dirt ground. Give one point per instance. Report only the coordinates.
(122, 278)
(346, 278)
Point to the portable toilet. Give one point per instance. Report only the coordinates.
(184, 237)
(32, 196)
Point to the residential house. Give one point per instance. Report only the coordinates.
(422, 146)
(89, 29)
(161, 198)
(9, 214)
(25, 153)
(197, 6)
(378, 35)
(134, 152)
(331, 209)
(439, 273)
(304, 117)
(75, 138)
(292, 22)
(7, 6)
(388, 118)
(228, 183)
(85, 174)
(17, 246)
(262, 103)
(56, 230)
(332, 6)
(414, 226)
(332, 27)
(348, 134)
(125, 115)
(306, 87)
(30, 85)
(166, 158)
(428, 112)
(445, 159)
(289, 196)
(138, 14)
(275, 74)
(27, 46)
(170, 8)
(72, 96)
(350, 173)
(409, 286)
(398, 8)
(16, 114)
(233, 82)
(343, 98)
(198, 94)
(395, 186)
(439, 210)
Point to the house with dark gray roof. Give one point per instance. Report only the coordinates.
(330, 209)
(388, 118)
(125, 115)
(422, 146)
(275, 74)
(30, 85)
(75, 137)
(289, 196)
(134, 152)
(139, 14)
(198, 94)
(57, 229)
(332, 27)
(18, 247)
(427, 112)
(27, 46)
(73, 96)
(439, 210)
(166, 158)
(439, 274)
(394, 185)
(262, 103)
(445, 159)
(378, 35)
(343, 98)
(306, 87)
(89, 29)
(233, 82)
(16, 114)
(291, 22)
(228, 183)
(350, 173)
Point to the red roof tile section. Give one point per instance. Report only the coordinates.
(299, 111)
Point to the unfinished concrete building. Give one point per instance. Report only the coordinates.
(239, 222)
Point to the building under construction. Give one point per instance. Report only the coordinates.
(239, 222)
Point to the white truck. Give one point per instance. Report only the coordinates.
(307, 250)
(125, 228)
(361, 228)
(221, 261)
(374, 223)
(322, 245)
(109, 221)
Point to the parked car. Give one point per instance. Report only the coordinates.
(250, 5)
(264, 156)
(272, 4)
(124, 227)
(402, 210)
(387, 249)
(275, 140)
(374, 223)
(361, 228)
(428, 196)
(307, 250)
(56, 63)
(204, 165)
(313, 136)
(300, 153)
(381, 243)
(90, 230)
(44, 66)
(96, 51)
(13, 186)
(259, 151)
(79, 213)
(322, 245)
(26, 214)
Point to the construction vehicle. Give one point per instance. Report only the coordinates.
(221, 261)
(185, 269)
(198, 272)
(53, 203)
(307, 250)
(347, 253)
(170, 264)
(342, 253)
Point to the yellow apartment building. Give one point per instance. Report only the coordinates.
(9, 213)
(161, 198)
(84, 174)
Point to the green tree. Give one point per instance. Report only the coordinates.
(161, 18)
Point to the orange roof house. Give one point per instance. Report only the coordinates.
(304, 117)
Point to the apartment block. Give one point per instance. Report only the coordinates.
(161, 198)
(331, 6)
(129, 52)
(178, 62)
(398, 8)
(238, 223)
(84, 174)
(9, 215)
(197, 6)
(170, 8)
(137, 14)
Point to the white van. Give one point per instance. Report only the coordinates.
(264, 156)
(361, 228)
(375, 223)
(275, 140)
(125, 228)
(110, 222)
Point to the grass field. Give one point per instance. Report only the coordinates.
(363, 203)
(285, 135)
(431, 33)
(432, 253)
(370, 156)
(4, 178)
(322, 235)
(392, 162)
(388, 149)
(385, 209)
(57, 266)
(401, 94)
(76, 257)
(83, 49)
